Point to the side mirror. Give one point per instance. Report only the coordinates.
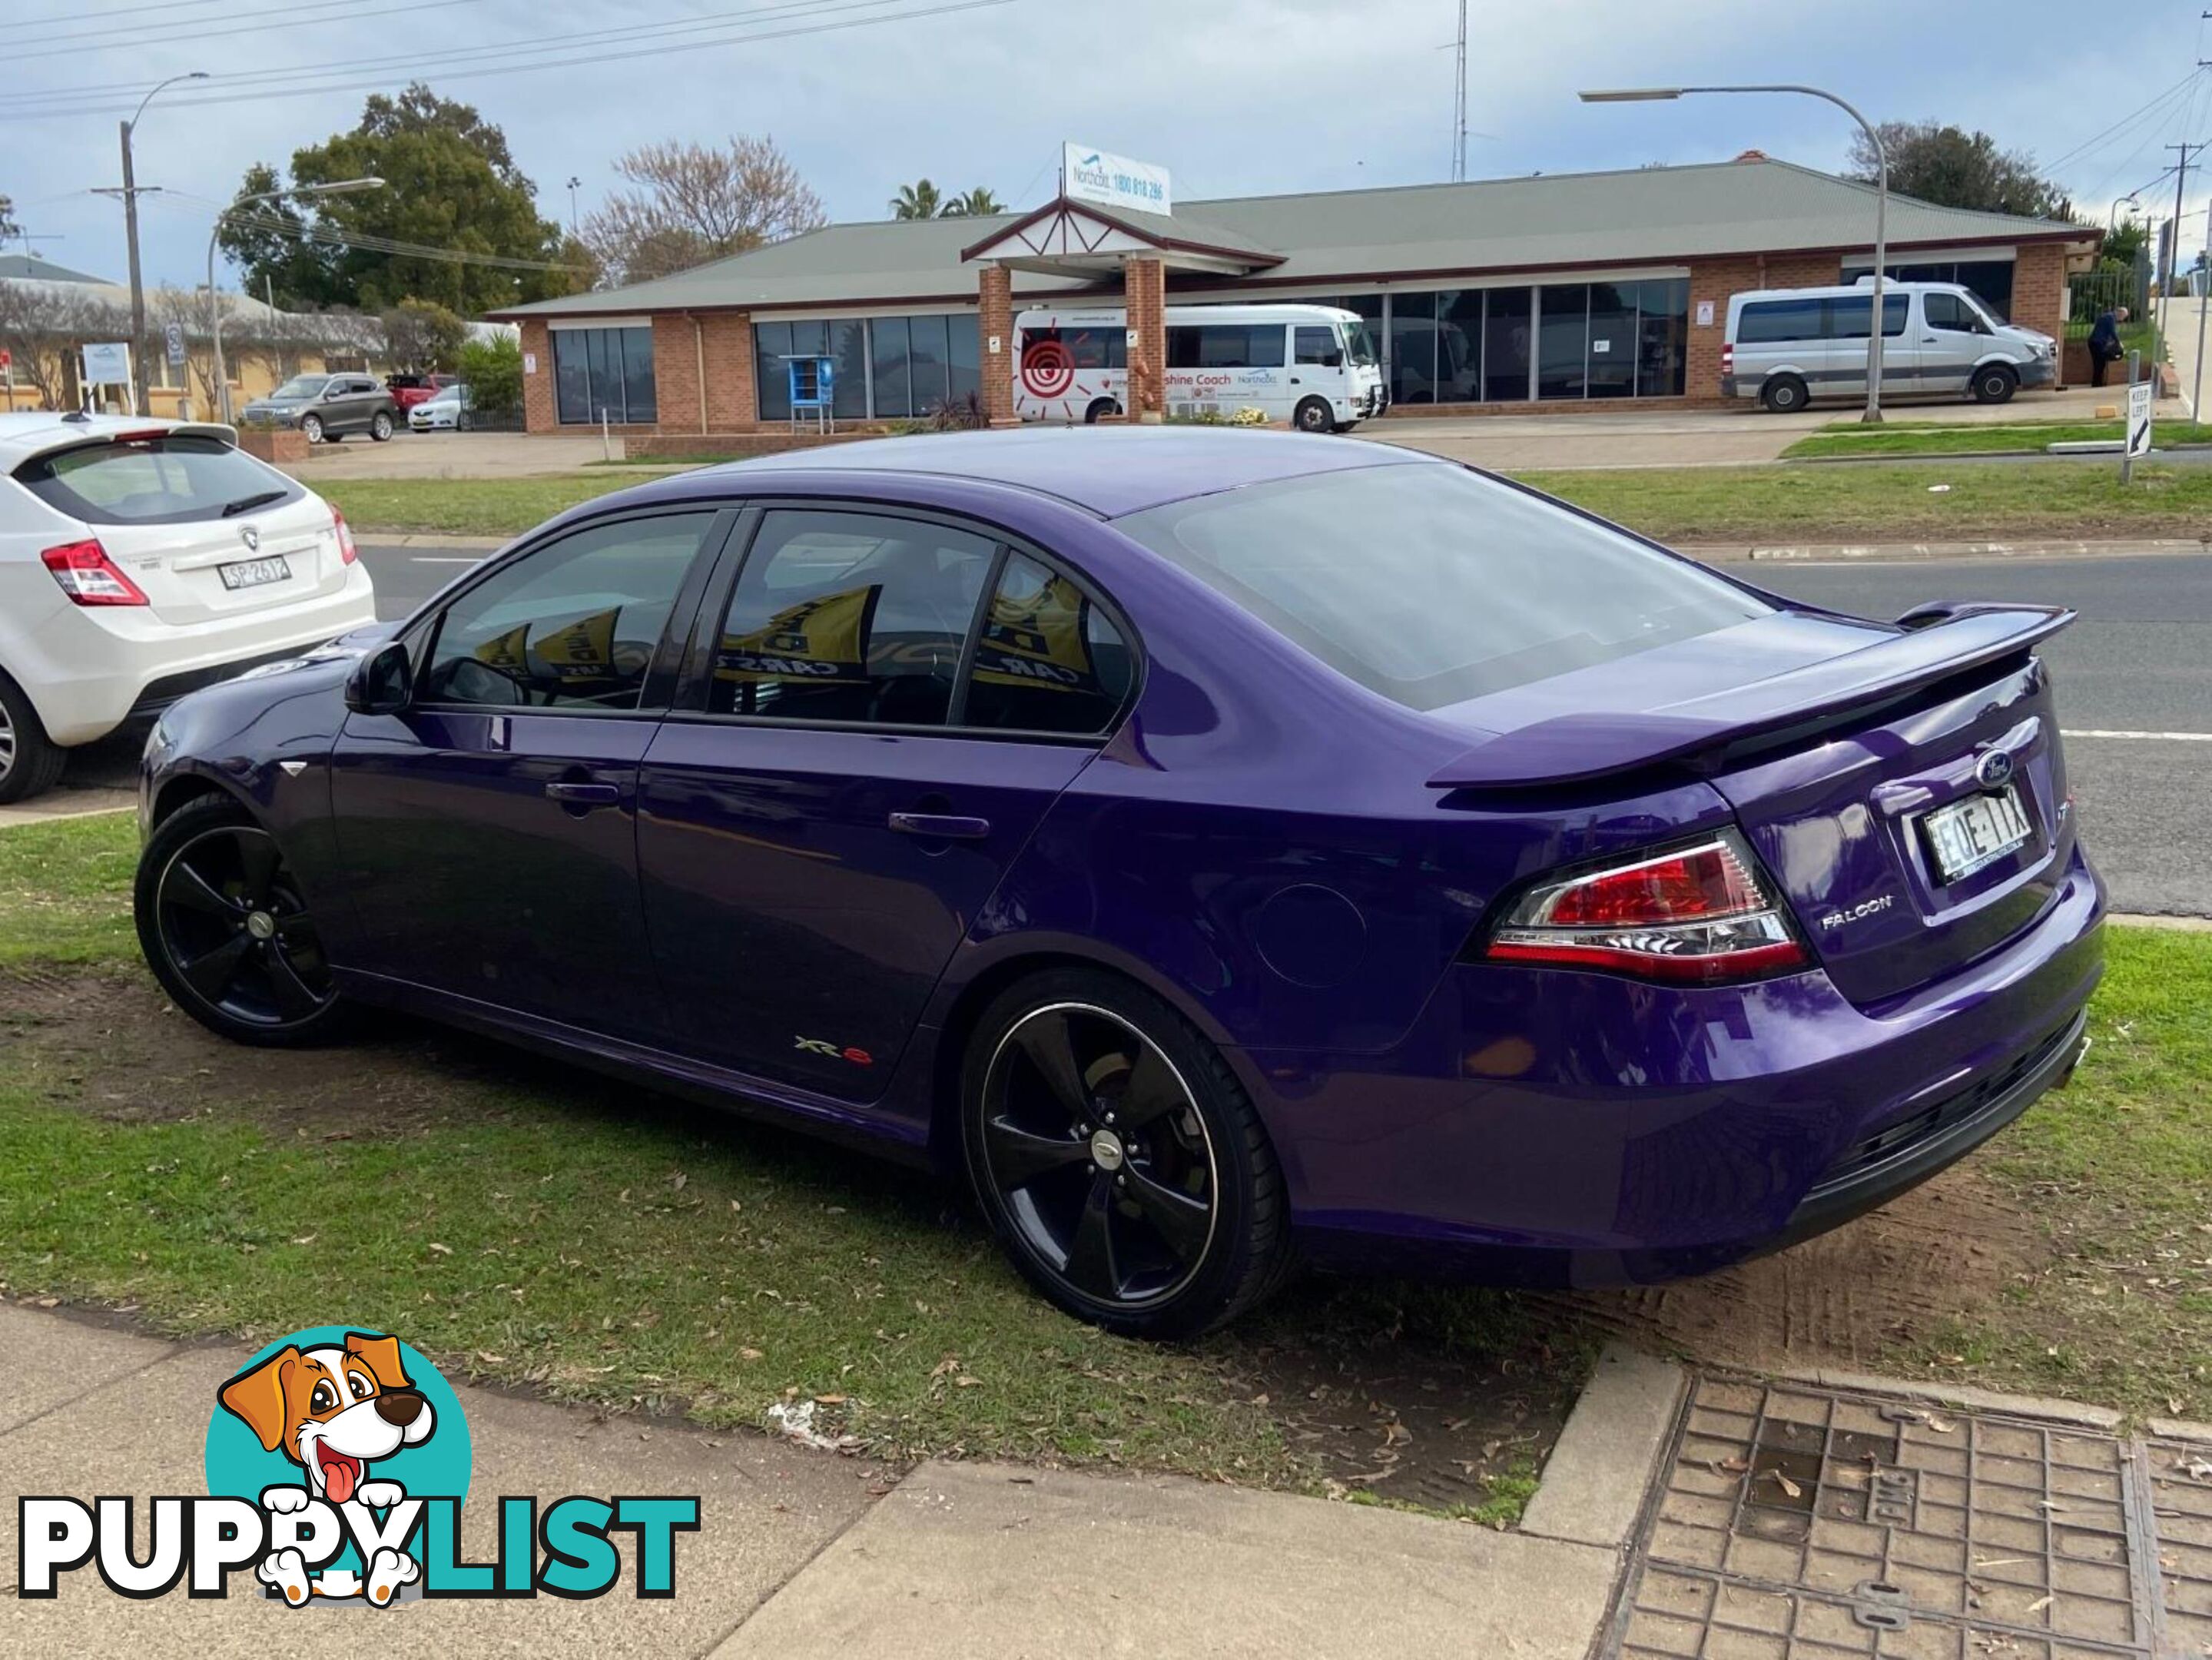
(381, 681)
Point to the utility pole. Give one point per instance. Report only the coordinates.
(2173, 243)
(130, 195)
(1459, 102)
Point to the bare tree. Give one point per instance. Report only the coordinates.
(688, 203)
(41, 327)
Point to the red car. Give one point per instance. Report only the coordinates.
(409, 390)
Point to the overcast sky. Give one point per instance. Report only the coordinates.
(1233, 96)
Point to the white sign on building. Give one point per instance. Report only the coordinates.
(1113, 181)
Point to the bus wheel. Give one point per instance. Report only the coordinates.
(1314, 415)
(1783, 394)
(1100, 407)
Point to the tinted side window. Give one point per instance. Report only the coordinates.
(1779, 319)
(1948, 311)
(1847, 318)
(573, 624)
(1318, 346)
(1049, 660)
(850, 617)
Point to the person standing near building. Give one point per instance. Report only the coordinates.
(2105, 343)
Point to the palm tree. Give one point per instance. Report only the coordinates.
(919, 200)
(976, 204)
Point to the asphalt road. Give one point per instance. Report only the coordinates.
(2139, 663)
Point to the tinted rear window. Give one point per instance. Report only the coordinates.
(174, 478)
(1432, 584)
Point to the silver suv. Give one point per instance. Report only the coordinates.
(326, 407)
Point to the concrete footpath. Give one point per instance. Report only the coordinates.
(801, 1553)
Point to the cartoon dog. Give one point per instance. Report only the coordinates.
(331, 1411)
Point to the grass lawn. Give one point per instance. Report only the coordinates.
(1830, 504)
(2120, 1168)
(1847, 438)
(1692, 504)
(460, 507)
(524, 1222)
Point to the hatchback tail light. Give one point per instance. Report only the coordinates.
(89, 577)
(1697, 914)
(347, 551)
(1728, 360)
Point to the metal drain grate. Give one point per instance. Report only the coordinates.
(1800, 1523)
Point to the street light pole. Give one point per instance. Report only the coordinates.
(2112, 219)
(575, 184)
(1650, 94)
(131, 239)
(342, 187)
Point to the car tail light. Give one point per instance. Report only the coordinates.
(347, 551)
(89, 577)
(1728, 360)
(1699, 914)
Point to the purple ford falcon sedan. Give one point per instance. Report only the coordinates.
(1222, 848)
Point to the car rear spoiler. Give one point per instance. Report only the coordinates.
(1939, 641)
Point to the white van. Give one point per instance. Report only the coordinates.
(1788, 346)
(1312, 366)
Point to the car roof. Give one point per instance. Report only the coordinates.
(1110, 470)
(34, 432)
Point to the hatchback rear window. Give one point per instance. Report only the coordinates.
(1432, 584)
(168, 478)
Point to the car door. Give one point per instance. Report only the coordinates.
(1953, 337)
(487, 833)
(363, 398)
(863, 748)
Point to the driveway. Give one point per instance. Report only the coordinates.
(453, 455)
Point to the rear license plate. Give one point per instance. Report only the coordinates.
(1970, 835)
(253, 573)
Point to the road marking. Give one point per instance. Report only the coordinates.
(2155, 737)
(445, 559)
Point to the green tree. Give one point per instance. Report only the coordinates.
(492, 371)
(450, 183)
(972, 205)
(2123, 244)
(919, 200)
(1954, 168)
(422, 337)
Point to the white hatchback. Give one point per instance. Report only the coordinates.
(141, 560)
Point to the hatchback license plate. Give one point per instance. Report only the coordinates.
(253, 573)
(1970, 835)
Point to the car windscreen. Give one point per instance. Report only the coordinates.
(168, 478)
(302, 385)
(1432, 584)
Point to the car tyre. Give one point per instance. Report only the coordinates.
(1100, 407)
(1314, 415)
(30, 761)
(311, 428)
(1121, 1164)
(379, 428)
(227, 932)
(1784, 394)
(1995, 383)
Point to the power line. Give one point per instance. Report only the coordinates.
(310, 230)
(348, 77)
(339, 11)
(2139, 113)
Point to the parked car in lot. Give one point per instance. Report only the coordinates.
(1788, 346)
(448, 411)
(140, 560)
(327, 407)
(1219, 847)
(409, 390)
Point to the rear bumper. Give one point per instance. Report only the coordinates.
(92, 672)
(1553, 1128)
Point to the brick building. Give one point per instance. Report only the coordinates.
(1498, 296)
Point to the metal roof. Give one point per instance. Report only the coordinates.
(17, 265)
(1643, 215)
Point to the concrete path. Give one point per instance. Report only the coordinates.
(456, 455)
(798, 1555)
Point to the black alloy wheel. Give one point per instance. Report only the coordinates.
(1119, 1162)
(226, 931)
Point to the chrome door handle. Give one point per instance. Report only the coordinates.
(583, 794)
(942, 827)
